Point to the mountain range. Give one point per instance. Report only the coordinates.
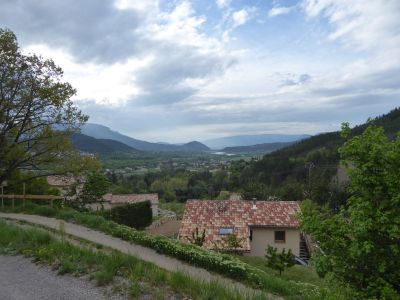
(249, 140)
(100, 139)
(264, 148)
(104, 133)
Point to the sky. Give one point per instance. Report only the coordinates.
(176, 71)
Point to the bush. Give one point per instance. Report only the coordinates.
(137, 215)
(47, 211)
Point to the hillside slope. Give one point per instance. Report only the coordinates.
(90, 144)
(311, 162)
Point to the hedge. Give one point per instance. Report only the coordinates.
(136, 215)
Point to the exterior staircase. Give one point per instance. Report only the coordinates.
(304, 248)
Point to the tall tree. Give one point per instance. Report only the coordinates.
(361, 243)
(34, 103)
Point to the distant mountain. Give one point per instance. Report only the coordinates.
(195, 146)
(103, 132)
(249, 140)
(265, 148)
(90, 144)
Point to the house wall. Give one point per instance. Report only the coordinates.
(262, 237)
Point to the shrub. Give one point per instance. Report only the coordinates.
(137, 215)
(279, 261)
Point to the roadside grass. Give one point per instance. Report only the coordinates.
(129, 274)
(176, 207)
(296, 273)
(251, 272)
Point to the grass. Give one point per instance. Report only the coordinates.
(294, 284)
(129, 274)
(176, 207)
(296, 273)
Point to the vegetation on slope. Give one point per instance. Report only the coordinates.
(224, 264)
(360, 243)
(90, 144)
(128, 274)
(304, 169)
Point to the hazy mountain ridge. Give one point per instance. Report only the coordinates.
(103, 132)
(266, 147)
(251, 140)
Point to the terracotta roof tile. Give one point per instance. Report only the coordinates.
(60, 180)
(130, 198)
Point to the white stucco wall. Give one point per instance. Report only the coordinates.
(262, 237)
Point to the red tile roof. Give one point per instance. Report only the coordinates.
(60, 180)
(238, 214)
(130, 198)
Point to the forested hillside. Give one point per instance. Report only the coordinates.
(90, 144)
(304, 169)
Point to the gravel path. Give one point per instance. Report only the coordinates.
(143, 253)
(20, 279)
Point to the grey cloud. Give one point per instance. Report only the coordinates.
(173, 65)
(294, 79)
(93, 30)
(89, 29)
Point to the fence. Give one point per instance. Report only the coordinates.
(50, 198)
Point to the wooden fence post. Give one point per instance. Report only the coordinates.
(23, 200)
(12, 201)
(2, 198)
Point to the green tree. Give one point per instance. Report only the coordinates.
(256, 190)
(279, 261)
(360, 245)
(95, 186)
(34, 102)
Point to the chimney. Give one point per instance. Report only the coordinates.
(254, 203)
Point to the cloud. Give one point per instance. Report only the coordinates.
(223, 3)
(295, 79)
(126, 51)
(90, 29)
(371, 25)
(162, 71)
(240, 17)
(279, 10)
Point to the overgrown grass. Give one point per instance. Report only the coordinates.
(176, 207)
(244, 271)
(137, 277)
(296, 273)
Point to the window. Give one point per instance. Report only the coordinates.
(225, 230)
(279, 236)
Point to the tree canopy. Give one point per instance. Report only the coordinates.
(360, 245)
(37, 115)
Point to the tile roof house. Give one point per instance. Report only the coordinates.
(61, 182)
(256, 223)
